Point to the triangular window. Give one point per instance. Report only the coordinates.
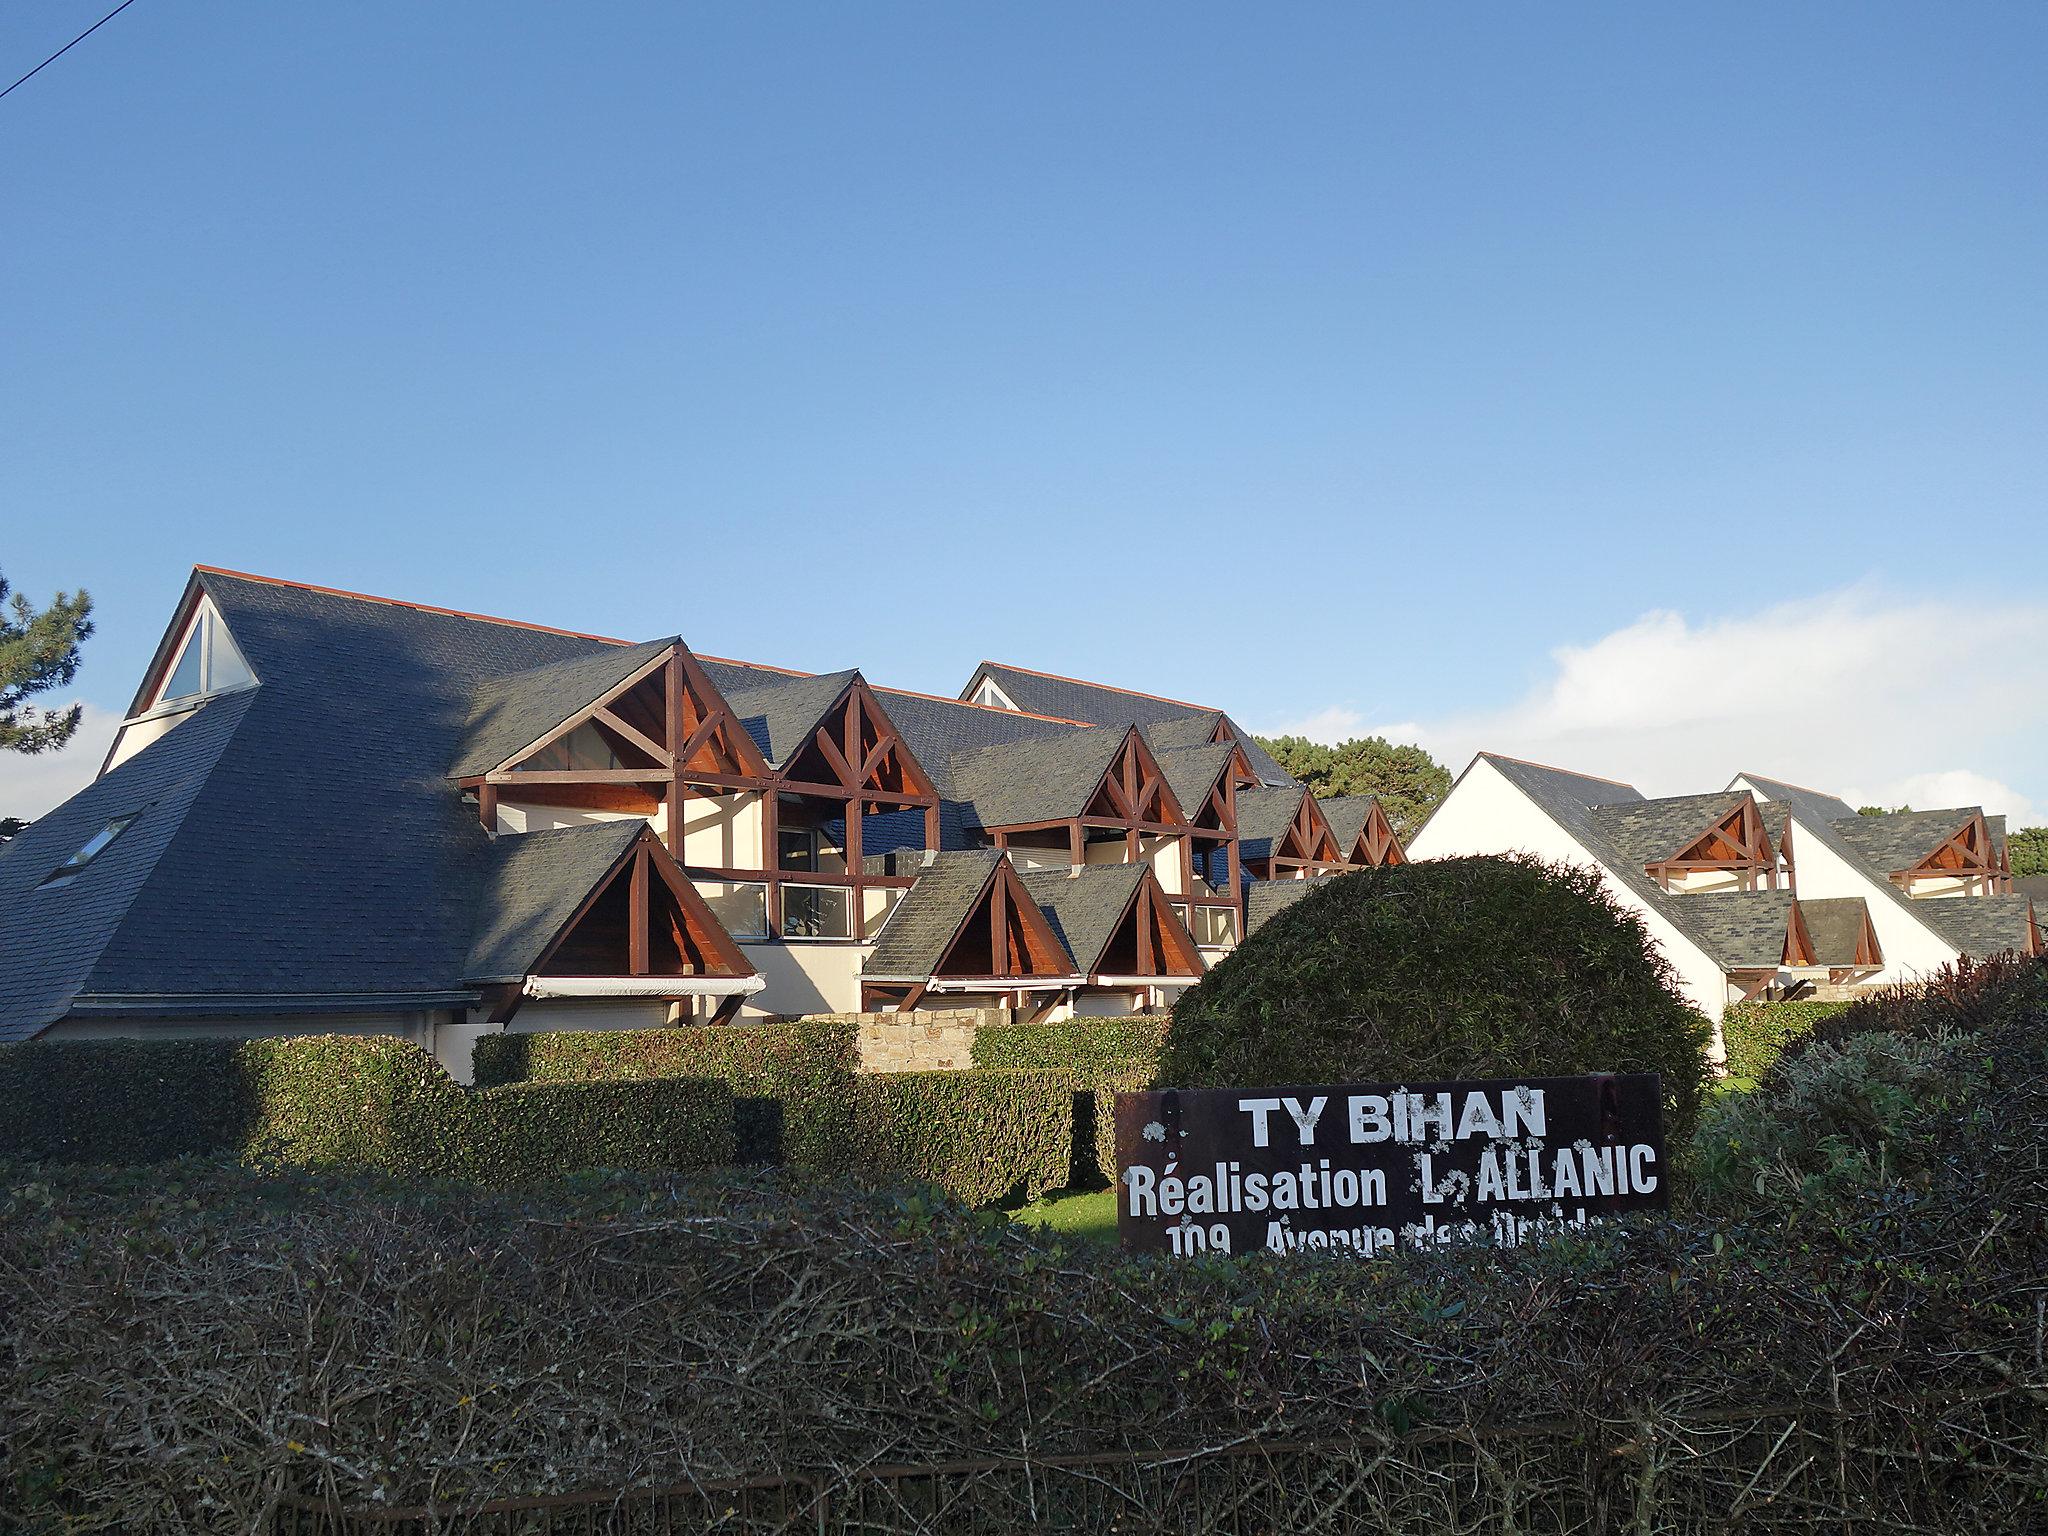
(210, 663)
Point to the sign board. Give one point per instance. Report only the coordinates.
(1371, 1167)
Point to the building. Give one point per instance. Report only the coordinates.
(1762, 889)
(327, 811)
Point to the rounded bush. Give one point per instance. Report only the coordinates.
(1456, 968)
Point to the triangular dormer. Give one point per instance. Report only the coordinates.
(855, 747)
(1133, 789)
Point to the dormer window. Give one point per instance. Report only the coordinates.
(210, 662)
(94, 846)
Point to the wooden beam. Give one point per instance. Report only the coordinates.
(640, 739)
(638, 922)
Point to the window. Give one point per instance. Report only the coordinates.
(741, 909)
(210, 663)
(817, 912)
(1214, 925)
(95, 845)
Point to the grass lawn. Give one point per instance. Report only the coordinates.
(1091, 1214)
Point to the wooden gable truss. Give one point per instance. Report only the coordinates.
(1376, 843)
(1131, 798)
(1212, 830)
(643, 919)
(1308, 847)
(1149, 940)
(1004, 940)
(858, 760)
(1968, 856)
(1735, 842)
(664, 727)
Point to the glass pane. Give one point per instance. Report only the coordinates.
(817, 912)
(186, 678)
(225, 668)
(797, 848)
(742, 910)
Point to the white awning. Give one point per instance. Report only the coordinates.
(999, 984)
(1146, 981)
(643, 986)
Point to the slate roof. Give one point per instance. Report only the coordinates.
(52, 938)
(305, 851)
(1816, 804)
(914, 939)
(779, 711)
(1740, 930)
(1901, 839)
(1084, 907)
(1835, 924)
(1043, 778)
(531, 885)
(511, 712)
(1192, 772)
(1981, 926)
(1264, 899)
(1650, 831)
(1185, 724)
(1347, 816)
(1263, 817)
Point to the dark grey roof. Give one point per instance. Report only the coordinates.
(1192, 772)
(914, 939)
(1263, 817)
(532, 884)
(1650, 831)
(1045, 778)
(1347, 816)
(1084, 906)
(52, 937)
(1815, 803)
(780, 712)
(1901, 839)
(1185, 724)
(1981, 926)
(1740, 930)
(941, 732)
(322, 856)
(512, 712)
(1263, 899)
(1835, 924)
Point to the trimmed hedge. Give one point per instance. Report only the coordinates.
(980, 1136)
(1079, 1044)
(1100, 1057)
(341, 1102)
(522, 1130)
(792, 1083)
(1755, 1033)
(1452, 968)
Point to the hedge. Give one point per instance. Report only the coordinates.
(1754, 1034)
(980, 1136)
(1100, 1057)
(1078, 1044)
(791, 1082)
(340, 1102)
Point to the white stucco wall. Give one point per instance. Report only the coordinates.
(516, 817)
(1911, 949)
(1487, 813)
(723, 831)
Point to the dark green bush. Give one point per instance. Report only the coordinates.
(1456, 968)
(1079, 1044)
(980, 1136)
(791, 1082)
(522, 1132)
(1754, 1034)
(1099, 1056)
(122, 1101)
(1973, 995)
(343, 1102)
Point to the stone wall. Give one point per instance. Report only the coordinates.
(920, 1042)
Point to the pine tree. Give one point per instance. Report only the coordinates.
(39, 651)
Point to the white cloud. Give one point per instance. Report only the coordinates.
(29, 786)
(1877, 698)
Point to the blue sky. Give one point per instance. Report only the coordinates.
(1476, 371)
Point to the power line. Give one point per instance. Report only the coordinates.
(88, 32)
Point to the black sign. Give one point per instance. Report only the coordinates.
(1369, 1167)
